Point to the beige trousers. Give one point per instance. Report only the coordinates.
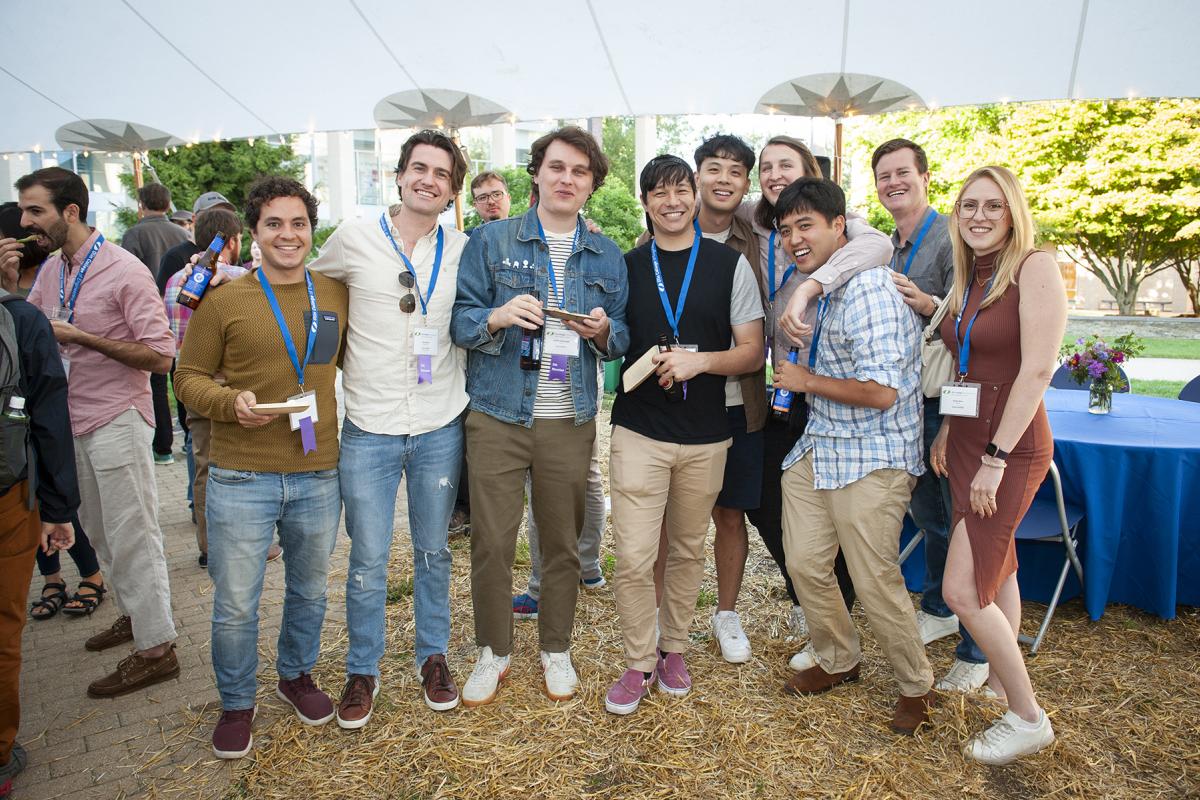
(864, 520)
(648, 478)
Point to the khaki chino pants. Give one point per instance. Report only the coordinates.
(864, 520)
(648, 479)
(556, 452)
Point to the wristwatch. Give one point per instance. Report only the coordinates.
(995, 452)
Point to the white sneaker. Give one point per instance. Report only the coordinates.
(933, 628)
(1008, 739)
(805, 659)
(727, 628)
(483, 685)
(963, 677)
(797, 624)
(561, 680)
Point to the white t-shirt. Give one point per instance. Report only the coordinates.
(553, 399)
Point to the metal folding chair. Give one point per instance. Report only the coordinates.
(1052, 520)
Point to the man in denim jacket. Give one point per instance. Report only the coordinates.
(540, 419)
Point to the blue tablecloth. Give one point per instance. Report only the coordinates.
(1136, 474)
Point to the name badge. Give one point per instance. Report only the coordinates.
(562, 342)
(425, 341)
(691, 348)
(960, 400)
(309, 413)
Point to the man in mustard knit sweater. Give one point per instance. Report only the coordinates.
(276, 335)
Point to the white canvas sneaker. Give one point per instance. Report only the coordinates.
(727, 630)
(561, 680)
(1008, 739)
(963, 677)
(933, 628)
(805, 659)
(484, 684)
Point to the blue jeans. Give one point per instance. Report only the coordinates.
(371, 465)
(931, 512)
(244, 510)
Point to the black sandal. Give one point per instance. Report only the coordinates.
(50, 602)
(90, 602)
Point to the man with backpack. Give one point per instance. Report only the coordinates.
(37, 459)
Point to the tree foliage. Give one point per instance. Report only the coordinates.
(1114, 182)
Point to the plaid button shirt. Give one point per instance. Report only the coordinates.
(868, 334)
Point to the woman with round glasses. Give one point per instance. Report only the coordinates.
(1004, 326)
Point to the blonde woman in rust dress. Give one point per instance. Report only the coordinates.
(1010, 306)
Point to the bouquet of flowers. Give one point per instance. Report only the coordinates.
(1092, 359)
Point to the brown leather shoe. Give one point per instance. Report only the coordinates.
(815, 680)
(136, 672)
(354, 709)
(120, 632)
(913, 712)
(437, 684)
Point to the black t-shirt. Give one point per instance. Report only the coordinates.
(174, 260)
(701, 418)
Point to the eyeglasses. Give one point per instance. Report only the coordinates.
(408, 303)
(489, 197)
(992, 209)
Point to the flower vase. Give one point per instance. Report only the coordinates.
(1100, 398)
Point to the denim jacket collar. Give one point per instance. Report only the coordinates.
(528, 231)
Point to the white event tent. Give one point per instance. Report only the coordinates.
(227, 69)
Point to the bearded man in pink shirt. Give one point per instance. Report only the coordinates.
(112, 331)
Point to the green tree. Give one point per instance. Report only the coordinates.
(618, 144)
(1186, 262)
(617, 213)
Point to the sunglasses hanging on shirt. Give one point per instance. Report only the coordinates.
(408, 303)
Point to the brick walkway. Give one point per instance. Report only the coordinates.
(79, 747)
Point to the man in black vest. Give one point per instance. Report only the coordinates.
(670, 435)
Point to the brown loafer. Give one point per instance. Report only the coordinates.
(136, 672)
(815, 680)
(120, 632)
(913, 712)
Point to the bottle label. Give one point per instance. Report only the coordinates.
(197, 282)
(782, 401)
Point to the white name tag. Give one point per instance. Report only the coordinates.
(311, 411)
(960, 400)
(562, 342)
(691, 348)
(425, 342)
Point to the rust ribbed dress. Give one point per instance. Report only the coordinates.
(995, 361)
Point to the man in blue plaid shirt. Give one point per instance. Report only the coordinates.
(847, 482)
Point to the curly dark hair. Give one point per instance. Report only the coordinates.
(270, 187)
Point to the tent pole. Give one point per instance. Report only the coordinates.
(837, 152)
(458, 197)
(137, 170)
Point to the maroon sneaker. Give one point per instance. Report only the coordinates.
(354, 709)
(312, 706)
(231, 738)
(438, 684)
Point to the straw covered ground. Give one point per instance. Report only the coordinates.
(1123, 694)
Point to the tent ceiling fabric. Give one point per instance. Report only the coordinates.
(838, 95)
(231, 69)
(113, 136)
(437, 108)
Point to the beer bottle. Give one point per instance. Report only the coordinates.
(673, 390)
(781, 401)
(531, 343)
(192, 291)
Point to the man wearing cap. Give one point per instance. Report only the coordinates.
(184, 219)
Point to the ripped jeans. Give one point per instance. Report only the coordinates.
(370, 467)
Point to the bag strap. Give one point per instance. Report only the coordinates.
(938, 315)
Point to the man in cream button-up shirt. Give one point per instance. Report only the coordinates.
(405, 391)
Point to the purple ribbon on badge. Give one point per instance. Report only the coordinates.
(685, 390)
(558, 367)
(308, 436)
(424, 369)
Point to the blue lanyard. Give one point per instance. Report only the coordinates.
(822, 312)
(437, 263)
(929, 218)
(787, 273)
(83, 268)
(673, 318)
(283, 328)
(964, 347)
(559, 297)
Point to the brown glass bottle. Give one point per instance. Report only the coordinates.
(192, 291)
(673, 389)
(531, 343)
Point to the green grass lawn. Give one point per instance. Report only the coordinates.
(1163, 348)
(1168, 389)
